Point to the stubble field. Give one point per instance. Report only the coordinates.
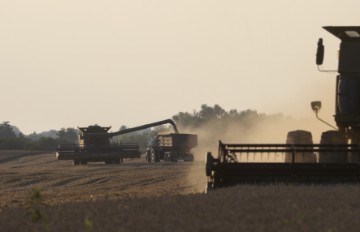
(38, 193)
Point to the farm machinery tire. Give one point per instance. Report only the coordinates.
(154, 157)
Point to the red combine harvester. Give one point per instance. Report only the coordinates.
(335, 159)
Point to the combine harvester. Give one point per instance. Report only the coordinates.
(335, 159)
(95, 145)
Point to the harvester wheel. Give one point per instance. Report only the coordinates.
(333, 137)
(76, 162)
(209, 187)
(300, 137)
(208, 163)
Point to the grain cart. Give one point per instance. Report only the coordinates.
(95, 146)
(171, 147)
(334, 159)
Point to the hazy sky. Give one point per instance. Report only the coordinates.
(73, 63)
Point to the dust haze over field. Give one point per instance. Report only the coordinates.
(271, 129)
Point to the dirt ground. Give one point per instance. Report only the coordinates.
(60, 182)
(39, 193)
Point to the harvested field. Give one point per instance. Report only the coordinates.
(60, 182)
(39, 193)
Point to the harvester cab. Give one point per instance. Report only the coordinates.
(347, 104)
(95, 145)
(334, 159)
(94, 136)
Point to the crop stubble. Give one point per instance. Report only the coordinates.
(137, 196)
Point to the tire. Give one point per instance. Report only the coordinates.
(154, 156)
(354, 157)
(76, 162)
(333, 137)
(300, 137)
(173, 156)
(167, 157)
(208, 164)
(209, 187)
(174, 159)
(147, 155)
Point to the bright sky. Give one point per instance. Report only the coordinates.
(74, 63)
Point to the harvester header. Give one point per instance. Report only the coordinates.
(334, 159)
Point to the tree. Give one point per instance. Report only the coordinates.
(44, 143)
(6, 131)
(9, 139)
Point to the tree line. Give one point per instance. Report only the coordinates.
(11, 138)
(208, 116)
(209, 121)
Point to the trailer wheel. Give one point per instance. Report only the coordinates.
(173, 156)
(148, 156)
(154, 156)
(167, 157)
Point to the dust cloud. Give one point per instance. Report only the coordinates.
(268, 130)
